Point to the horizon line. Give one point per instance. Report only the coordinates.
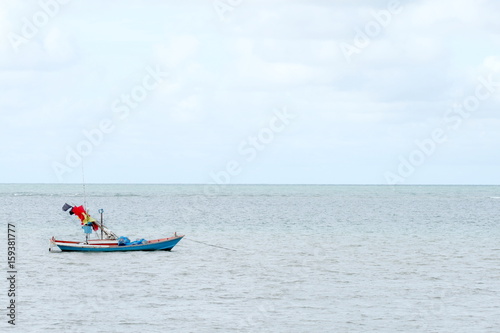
(258, 184)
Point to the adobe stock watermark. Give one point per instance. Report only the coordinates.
(11, 273)
(249, 149)
(31, 26)
(224, 8)
(380, 20)
(121, 108)
(453, 119)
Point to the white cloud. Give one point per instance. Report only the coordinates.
(176, 50)
(492, 64)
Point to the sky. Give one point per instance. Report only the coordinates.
(250, 92)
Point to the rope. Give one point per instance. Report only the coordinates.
(220, 247)
(84, 190)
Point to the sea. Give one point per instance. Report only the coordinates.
(257, 258)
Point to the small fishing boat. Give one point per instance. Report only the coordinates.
(108, 241)
(165, 244)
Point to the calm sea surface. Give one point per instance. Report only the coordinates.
(294, 259)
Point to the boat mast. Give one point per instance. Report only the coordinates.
(101, 211)
(105, 231)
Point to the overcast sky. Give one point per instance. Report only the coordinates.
(323, 92)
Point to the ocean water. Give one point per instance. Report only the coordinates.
(272, 259)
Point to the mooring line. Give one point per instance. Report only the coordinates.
(221, 247)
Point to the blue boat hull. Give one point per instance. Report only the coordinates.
(157, 245)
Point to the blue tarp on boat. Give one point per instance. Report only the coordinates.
(123, 241)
